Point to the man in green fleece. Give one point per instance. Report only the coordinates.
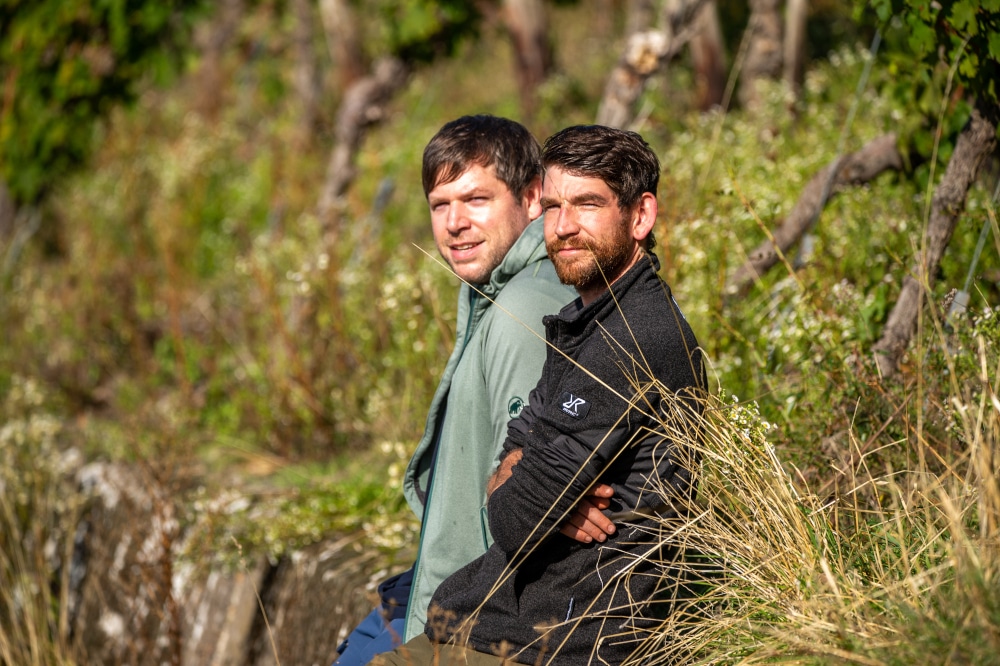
(482, 179)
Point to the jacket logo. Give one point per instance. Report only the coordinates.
(514, 407)
(574, 406)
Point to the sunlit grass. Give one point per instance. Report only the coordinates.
(897, 566)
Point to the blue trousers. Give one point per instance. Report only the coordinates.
(382, 630)
(373, 636)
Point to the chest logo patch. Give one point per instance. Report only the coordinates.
(515, 406)
(574, 406)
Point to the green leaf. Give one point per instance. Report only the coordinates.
(994, 44)
(883, 9)
(969, 66)
(963, 16)
(922, 38)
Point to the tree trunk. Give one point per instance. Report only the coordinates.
(7, 212)
(341, 29)
(213, 41)
(708, 58)
(528, 28)
(645, 53)
(639, 16)
(977, 141)
(853, 169)
(364, 105)
(763, 59)
(305, 77)
(25, 223)
(796, 13)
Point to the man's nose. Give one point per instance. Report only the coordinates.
(566, 222)
(457, 218)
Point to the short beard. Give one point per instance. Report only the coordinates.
(603, 265)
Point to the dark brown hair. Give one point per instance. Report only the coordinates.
(485, 140)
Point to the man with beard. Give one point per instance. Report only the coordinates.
(622, 364)
(482, 179)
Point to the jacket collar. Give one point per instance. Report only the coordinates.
(527, 249)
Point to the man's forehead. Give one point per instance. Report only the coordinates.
(472, 175)
(559, 182)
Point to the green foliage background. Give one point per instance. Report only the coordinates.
(190, 294)
(188, 316)
(963, 33)
(65, 64)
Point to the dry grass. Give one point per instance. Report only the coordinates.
(901, 567)
(37, 519)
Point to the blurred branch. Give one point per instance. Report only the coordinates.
(639, 15)
(213, 39)
(8, 211)
(341, 30)
(25, 223)
(306, 74)
(852, 169)
(645, 54)
(528, 28)
(976, 142)
(764, 51)
(364, 105)
(796, 14)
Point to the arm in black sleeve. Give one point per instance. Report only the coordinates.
(552, 476)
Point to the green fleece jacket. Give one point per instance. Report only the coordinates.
(498, 357)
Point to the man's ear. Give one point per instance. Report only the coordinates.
(532, 198)
(644, 217)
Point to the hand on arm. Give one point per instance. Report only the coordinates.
(587, 522)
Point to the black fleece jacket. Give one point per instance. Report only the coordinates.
(615, 371)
